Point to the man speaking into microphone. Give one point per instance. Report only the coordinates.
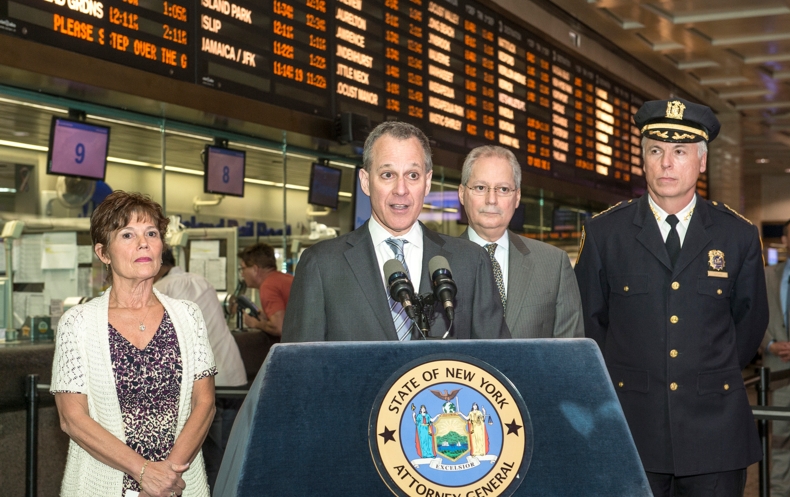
(341, 290)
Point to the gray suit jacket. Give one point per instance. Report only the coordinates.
(338, 294)
(542, 295)
(776, 323)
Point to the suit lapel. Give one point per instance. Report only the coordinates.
(520, 268)
(650, 236)
(361, 258)
(697, 237)
(433, 245)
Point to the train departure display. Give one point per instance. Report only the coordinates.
(462, 72)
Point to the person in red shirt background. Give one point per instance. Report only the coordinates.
(258, 269)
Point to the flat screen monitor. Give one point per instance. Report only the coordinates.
(772, 256)
(324, 185)
(224, 171)
(77, 149)
(362, 209)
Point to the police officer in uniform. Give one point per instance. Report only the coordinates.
(673, 292)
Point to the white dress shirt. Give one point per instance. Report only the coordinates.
(412, 251)
(684, 218)
(502, 251)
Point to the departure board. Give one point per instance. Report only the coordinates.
(152, 35)
(275, 51)
(458, 69)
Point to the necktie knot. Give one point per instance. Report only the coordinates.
(396, 244)
(491, 247)
(673, 220)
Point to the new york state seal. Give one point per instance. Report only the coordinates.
(450, 425)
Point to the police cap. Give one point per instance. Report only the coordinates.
(677, 121)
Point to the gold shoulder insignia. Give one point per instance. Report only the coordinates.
(581, 247)
(736, 213)
(607, 210)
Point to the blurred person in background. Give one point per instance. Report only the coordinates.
(176, 283)
(258, 269)
(776, 355)
(133, 372)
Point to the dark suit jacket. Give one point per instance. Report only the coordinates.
(675, 340)
(542, 295)
(338, 293)
(776, 323)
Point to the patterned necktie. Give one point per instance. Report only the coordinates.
(402, 321)
(673, 239)
(500, 282)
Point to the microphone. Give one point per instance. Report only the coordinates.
(443, 285)
(400, 288)
(245, 303)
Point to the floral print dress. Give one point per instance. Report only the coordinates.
(148, 383)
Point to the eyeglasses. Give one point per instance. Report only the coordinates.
(501, 191)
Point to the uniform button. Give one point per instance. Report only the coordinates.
(726, 386)
(673, 386)
(715, 203)
(674, 319)
(718, 292)
(675, 285)
(673, 353)
(620, 384)
(625, 288)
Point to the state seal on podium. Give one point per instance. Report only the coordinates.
(450, 425)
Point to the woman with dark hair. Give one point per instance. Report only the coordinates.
(133, 374)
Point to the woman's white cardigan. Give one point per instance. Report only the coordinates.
(82, 364)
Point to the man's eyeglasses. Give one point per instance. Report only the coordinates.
(501, 191)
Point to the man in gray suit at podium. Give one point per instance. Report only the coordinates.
(340, 290)
(535, 281)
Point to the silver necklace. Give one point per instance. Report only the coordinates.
(141, 326)
(142, 323)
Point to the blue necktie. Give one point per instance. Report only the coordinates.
(402, 321)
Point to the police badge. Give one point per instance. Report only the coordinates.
(716, 263)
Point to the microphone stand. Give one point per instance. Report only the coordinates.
(424, 309)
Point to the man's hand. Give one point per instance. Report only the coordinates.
(780, 350)
(251, 322)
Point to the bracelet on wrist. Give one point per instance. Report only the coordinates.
(142, 472)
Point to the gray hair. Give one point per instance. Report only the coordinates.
(400, 131)
(702, 148)
(491, 151)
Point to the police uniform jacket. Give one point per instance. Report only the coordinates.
(675, 340)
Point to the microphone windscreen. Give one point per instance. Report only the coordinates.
(393, 266)
(438, 262)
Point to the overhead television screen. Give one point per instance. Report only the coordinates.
(77, 149)
(324, 185)
(224, 171)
